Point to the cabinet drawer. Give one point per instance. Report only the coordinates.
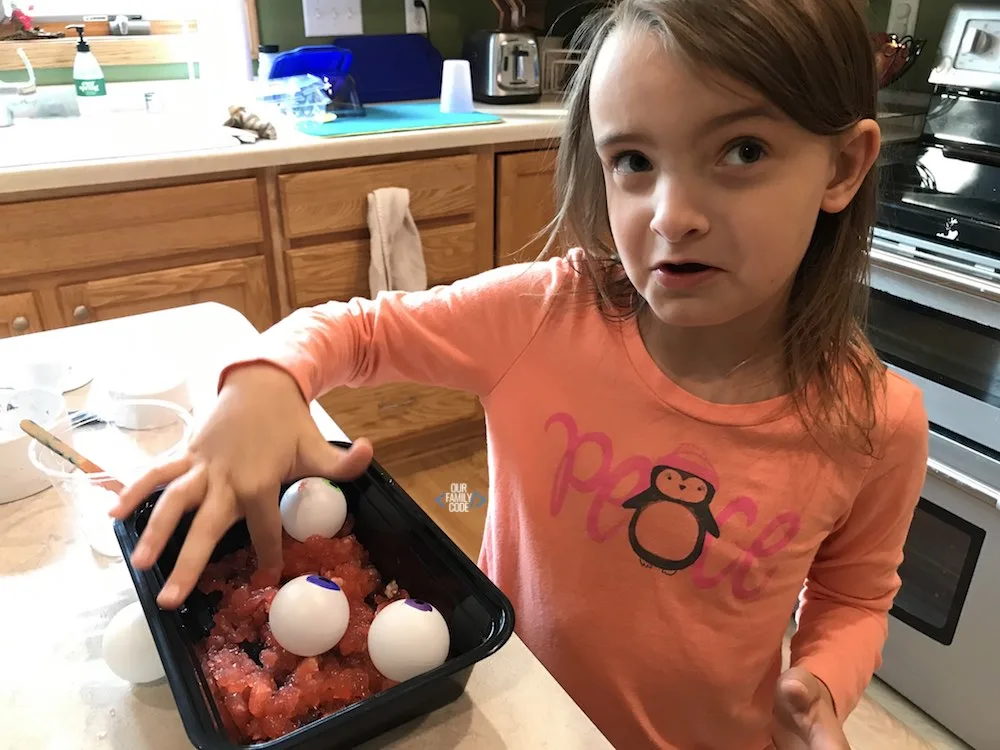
(19, 315)
(336, 200)
(50, 235)
(241, 284)
(396, 411)
(339, 271)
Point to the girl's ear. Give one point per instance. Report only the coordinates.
(854, 155)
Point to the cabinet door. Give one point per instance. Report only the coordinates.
(240, 284)
(18, 315)
(525, 204)
(325, 215)
(339, 270)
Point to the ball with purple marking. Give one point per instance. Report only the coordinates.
(313, 507)
(309, 615)
(407, 638)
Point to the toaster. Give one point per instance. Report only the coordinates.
(505, 67)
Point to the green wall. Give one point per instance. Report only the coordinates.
(451, 21)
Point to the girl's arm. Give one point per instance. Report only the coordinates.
(463, 336)
(843, 617)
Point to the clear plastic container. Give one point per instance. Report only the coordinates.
(123, 452)
(300, 97)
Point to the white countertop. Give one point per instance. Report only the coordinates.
(56, 692)
(188, 140)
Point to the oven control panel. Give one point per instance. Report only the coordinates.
(980, 49)
(969, 55)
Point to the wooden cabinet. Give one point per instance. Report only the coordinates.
(325, 217)
(263, 242)
(339, 270)
(18, 315)
(241, 283)
(89, 231)
(525, 204)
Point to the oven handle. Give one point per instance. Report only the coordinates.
(927, 272)
(973, 155)
(963, 482)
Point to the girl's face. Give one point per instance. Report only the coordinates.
(712, 192)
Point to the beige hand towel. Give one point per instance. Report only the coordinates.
(397, 256)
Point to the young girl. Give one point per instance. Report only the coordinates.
(687, 427)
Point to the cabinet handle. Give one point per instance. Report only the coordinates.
(20, 324)
(81, 313)
(397, 404)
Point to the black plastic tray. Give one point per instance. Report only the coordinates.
(405, 545)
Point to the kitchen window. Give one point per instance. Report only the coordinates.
(169, 41)
(75, 9)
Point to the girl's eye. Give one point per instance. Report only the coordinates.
(630, 162)
(744, 153)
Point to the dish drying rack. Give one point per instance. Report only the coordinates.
(558, 66)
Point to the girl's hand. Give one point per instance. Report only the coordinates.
(259, 434)
(804, 718)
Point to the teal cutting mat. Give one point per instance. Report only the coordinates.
(395, 118)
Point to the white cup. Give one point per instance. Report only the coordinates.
(456, 87)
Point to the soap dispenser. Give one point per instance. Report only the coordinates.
(88, 77)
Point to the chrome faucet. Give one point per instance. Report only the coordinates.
(19, 89)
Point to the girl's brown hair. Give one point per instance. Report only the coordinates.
(812, 59)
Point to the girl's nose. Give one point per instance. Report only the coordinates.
(676, 217)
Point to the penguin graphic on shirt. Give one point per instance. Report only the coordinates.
(672, 518)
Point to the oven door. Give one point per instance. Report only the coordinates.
(942, 652)
(941, 328)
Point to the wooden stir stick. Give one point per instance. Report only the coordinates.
(67, 452)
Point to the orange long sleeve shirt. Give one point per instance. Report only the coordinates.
(654, 545)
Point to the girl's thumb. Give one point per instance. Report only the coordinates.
(794, 702)
(317, 458)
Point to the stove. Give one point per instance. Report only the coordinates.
(935, 318)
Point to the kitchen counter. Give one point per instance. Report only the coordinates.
(65, 153)
(58, 596)
(188, 140)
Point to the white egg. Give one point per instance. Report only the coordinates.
(407, 638)
(309, 615)
(128, 647)
(311, 507)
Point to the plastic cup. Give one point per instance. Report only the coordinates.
(456, 87)
(122, 452)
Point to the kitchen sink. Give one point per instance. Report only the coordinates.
(31, 142)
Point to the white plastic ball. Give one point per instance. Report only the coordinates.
(313, 507)
(407, 638)
(309, 615)
(128, 647)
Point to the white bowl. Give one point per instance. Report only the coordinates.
(20, 479)
(128, 389)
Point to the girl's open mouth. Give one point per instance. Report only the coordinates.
(685, 268)
(683, 275)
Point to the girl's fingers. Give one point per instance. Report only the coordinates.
(263, 517)
(320, 459)
(181, 496)
(147, 484)
(215, 517)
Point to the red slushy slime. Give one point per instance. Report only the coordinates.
(284, 692)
